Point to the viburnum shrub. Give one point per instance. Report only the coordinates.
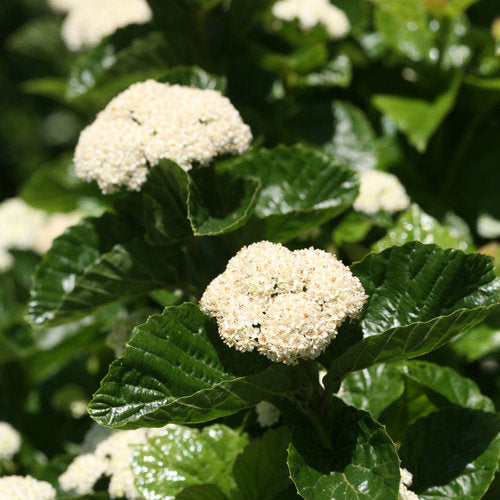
(269, 235)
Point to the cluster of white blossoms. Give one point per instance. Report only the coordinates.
(26, 228)
(267, 414)
(150, 121)
(111, 457)
(406, 480)
(380, 192)
(309, 13)
(10, 441)
(25, 488)
(287, 305)
(88, 21)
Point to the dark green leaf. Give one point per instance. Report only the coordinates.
(416, 225)
(260, 471)
(336, 73)
(192, 76)
(452, 453)
(353, 458)
(218, 204)
(175, 370)
(201, 492)
(420, 296)
(354, 142)
(417, 118)
(372, 389)
(301, 188)
(198, 458)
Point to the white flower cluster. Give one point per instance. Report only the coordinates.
(111, 457)
(309, 13)
(25, 488)
(26, 228)
(88, 21)
(150, 121)
(406, 480)
(267, 414)
(10, 441)
(287, 305)
(380, 191)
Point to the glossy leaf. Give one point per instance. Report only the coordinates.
(181, 456)
(372, 389)
(354, 142)
(416, 118)
(335, 73)
(193, 76)
(456, 464)
(416, 225)
(447, 383)
(301, 188)
(260, 471)
(176, 369)
(352, 459)
(420, 296)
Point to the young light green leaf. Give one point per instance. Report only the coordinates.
(416, 118)
(182, 456)
(372, 389)
(448, 384)
(456, 464)
(353, 458)
(301, 188)
(176, 369)
(420, 296)
(354, 142)
(260, 471)
(416, 225)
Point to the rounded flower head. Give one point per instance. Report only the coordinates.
(380, 191)
(10, 441)
(83, 473)
(287, 305)
(25, 488)
(406, 480)
(89, 21)
(150, 121)
(309, 13)
(267, 414)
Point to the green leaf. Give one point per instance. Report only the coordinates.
(201, 492)
(336, 72)
(354, 142)
(420, 296)
(218, 204)
(416, 225)
(372, 389)
(193, 76)
(353, 458)
(452, 453)
(301, 188)
(260, 471)
(404, 27)
(481, 340)
(416, 118)
(182, 457)
(447, 383)
(176, 369)
(352, 228)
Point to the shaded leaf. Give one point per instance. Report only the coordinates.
(335, 73)
(193, 76)
(416, 225)
(201, 492)
(447, 383)
(176, 369)
(180, 457)
(459, 463)
(260, 471)
(353, 458)
(416, 118)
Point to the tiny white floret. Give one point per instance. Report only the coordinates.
(287, 305)
(309, 13)
(380, 192)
